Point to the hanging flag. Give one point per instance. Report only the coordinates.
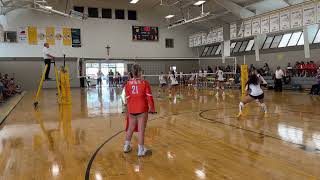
(42, 36)
(66, 36)
(50, 35)
(58, 36)
(32, 35)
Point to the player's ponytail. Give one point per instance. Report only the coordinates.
(136, 70)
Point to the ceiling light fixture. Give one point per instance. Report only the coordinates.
(169, 16)
(199, 3)
(134, 1)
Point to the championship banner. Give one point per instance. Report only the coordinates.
(244, 77)
(190, 41)
(76, 37)
(22, 34)
(50, 35)
(204, 39)
(58, 36)
(296, 18)
(214, 36)
(256, 26)
(32, 35)
(309, 15)
(209, 38)
(285, 20)
(220, 34)
(233, 31)
(318, 13)
(241, 31)
(66, 32)
(265, 25)
(195, 40)
(42, 36)
(247, 28)
(274, 23)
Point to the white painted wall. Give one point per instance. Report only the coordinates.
(98, 33)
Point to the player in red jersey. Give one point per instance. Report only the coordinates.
(139, 102)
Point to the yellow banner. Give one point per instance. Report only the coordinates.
(32, 35)
(244, 78)
(50, 35)
(67, 41)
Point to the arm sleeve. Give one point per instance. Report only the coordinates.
(149, 97)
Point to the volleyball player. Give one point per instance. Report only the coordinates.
(220, 83)
(139, 102)
(173, 84)
(163, 83)
(254, 92)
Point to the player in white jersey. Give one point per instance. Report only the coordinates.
(254, 92)
(163, 83)
(220, 82)
(173, 84)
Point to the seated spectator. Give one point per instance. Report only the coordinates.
(315, 90)
(1, 92)
(266, 69)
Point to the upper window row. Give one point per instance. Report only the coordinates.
(276, 41)
(107, 13)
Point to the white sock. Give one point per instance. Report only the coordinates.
(241, 105)
(140, 148)
(264, 107)
(127, 143)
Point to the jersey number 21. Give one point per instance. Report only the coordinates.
(134, 89)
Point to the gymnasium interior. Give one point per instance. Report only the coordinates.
(69, 124)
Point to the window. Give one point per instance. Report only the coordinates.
(132, 15)
(107, 13)
(205, 50)
(209, 51)
(237, 47)
(119, 13)
(218, 50)
(268, 42)
(10, 36)
(294, 39)
(214, 50)
(317, 38)
(243, 46)
(284, 41)
(169, 43)
(250, 45)
(311, 35)
(79, 9)
(276, 41)
(93, 12)
(232, 46)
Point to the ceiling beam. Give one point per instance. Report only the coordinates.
(235, 9)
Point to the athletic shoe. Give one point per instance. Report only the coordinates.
(127, 149)
(145, 152)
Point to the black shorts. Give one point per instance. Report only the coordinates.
(257, 97)
(136, 114)
(163, 85)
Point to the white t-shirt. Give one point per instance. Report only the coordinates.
(173, 80)
(46, 51)
(254, 90)
(193, 76)
(205, 72)
(200, 73)
(220, 75)
(162, 79)
(279, 74)
(100, 75)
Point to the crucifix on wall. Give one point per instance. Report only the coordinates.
(108, 50)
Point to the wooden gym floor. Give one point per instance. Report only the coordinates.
(197, 137)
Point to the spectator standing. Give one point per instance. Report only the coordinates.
(278, 79)
(47, 57)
